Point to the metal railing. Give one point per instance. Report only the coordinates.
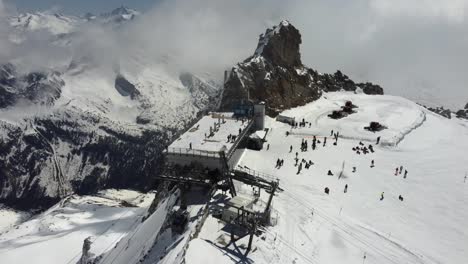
(258, 174)
(239, 139)
(192, 152)
(208, 153)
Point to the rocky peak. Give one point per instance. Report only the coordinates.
(280, 45)
(276, 75)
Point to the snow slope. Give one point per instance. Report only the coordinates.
(429, 226)
(57, 235)
(10, 217)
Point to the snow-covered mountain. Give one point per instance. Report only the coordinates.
(67, 132)
(57, 23)
(51, 22)
(275, 74)
(83, 127)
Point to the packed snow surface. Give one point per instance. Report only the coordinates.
(199, 134)
(428, 226)
(57, 235)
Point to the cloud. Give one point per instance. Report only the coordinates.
(412, 48)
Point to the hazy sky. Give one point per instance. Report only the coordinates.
(414, 48)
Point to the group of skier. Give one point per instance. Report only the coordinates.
(400, 170)
(364, 149)
(279, 163)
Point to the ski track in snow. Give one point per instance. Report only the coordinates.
(386, 231)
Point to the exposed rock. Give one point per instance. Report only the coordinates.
(373, 89)
(441, 111)
(37, 87)
(375, 127)
(463, 113)
(276, 75)
(125, 88)
(75, 152)
(280, 45)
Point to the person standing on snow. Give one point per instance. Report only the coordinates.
(346, 188)
(406, 173)
(381, 196)
(378, 140)
(372, 164)
(300, 168)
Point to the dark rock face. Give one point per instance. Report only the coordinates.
(125, 88)
(463, 113)
(372, 89)
(76, 150)
(36, 88)
(280, 45)
(276, 75)
(72, 152)
(441, 111)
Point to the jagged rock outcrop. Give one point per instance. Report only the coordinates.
(275, 74)
(463, 113)
(447, 113)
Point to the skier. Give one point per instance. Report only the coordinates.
(401, 169)
(381, 196)
(378, 140)
(190, 145)
(406, 173)
(372, 164)
(290, 149)
(331, 134)
(346, 188)
(396, 171)
(330, 173)
(278, 162)
(327, 191)
(325, 141)
(354, 169)
(268, 147)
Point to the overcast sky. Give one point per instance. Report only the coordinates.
(414, 48)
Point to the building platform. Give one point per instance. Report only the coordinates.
(212, 134)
